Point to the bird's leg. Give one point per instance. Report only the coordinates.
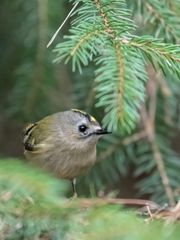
(73, 182)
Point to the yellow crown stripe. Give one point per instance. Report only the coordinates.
(92, 119)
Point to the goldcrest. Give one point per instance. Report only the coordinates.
(63, 143)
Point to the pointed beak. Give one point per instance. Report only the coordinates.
(102, 131)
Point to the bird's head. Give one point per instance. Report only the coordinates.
(80, 129)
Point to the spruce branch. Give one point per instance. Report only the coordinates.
(164, 16)
(163, 55)
(149, 45)
(105, 20)
(120, 87)
(115, 17)
(148, 120)
(84, 40)
(160, 17)
(101, 33)
(80, 46)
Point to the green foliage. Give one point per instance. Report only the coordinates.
(159, 17)
(129, 65)
(105, 37)
(32, 207)
(124, 55)
(115, 91)
(26, 66)
(149, 185)
(29, 201)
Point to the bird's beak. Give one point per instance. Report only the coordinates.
(102, 131)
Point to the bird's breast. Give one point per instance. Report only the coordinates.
(64, 163)
(73, 164)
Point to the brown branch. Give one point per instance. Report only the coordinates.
(96, 202)
(166, 92)
(120, 87)
(154, 210)
(126, 141)
(107, 27)
(156, 80)
(160, 165)
(82, 40)
(149, 127)
(170, 215)
(135, 137)
(110, 150)
(152, 104)
(148, 120)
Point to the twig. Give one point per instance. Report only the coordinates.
(166, 92)
(170, 215)
(149, 212)
(162, 171)
(152, 103)
(149, 127)
(57, 31)
(126, 141)
(154, 210)
(95, 202)
(108, 152)
(148, 119)
(135, 137)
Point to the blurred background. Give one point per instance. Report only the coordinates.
(32, 86)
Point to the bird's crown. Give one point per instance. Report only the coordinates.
(87, 115)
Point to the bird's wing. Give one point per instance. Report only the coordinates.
(33, 139)
(28, 140)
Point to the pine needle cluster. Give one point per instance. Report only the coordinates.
(103, 32)
(135, 85)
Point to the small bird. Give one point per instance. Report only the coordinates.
(63, 143)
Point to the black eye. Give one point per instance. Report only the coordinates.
(82, 128)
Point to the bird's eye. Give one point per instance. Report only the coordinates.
(82, 128)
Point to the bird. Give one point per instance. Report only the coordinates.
(63, 143)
